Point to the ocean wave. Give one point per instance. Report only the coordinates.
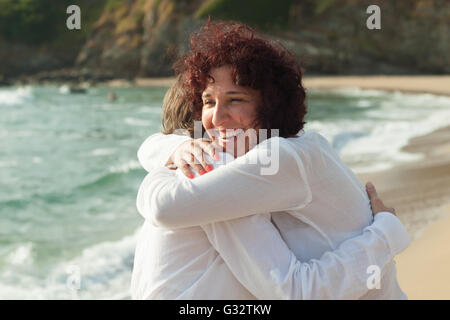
(125, 167)
(374, 141)
(64, 89)
(22, 255)
(105, 181)
(8, 164)
(137, 122)
(364, 103)
(109, 179)
(103, 151)
(102, 271)
(152, 110)
(353, 92)
(16, 96)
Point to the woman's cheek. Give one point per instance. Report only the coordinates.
(206, 119)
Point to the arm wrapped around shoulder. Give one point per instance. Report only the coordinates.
(268, 178)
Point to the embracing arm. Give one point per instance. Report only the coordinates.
(156, 149)
(235, 190)
(259, 258)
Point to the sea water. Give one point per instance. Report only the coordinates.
(69, 175)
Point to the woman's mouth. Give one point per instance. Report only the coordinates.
(229, 134)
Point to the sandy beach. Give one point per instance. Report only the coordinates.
(415, 84)
(420, 192)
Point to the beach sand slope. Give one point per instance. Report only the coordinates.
(420, 192)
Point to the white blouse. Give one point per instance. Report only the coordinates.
(320, 214)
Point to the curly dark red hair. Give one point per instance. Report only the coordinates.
(257, 63)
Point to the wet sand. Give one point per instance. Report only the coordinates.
(420, 192)
(418, 84)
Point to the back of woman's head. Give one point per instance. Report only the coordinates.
(256, 63)
(177, 113)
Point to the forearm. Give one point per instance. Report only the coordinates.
(235, 190)
(259, 258)
(157, 149)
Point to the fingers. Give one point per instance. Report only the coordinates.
(186, 169)
(200, 164)
(377, 205)
(210, 148)
(371, 191)
(190, 157)
(375, 202)
(391, 210)
(199, 148)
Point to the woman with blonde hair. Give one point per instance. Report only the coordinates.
(176, 110)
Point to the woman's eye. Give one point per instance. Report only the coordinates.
(237, 100)
(208, 103)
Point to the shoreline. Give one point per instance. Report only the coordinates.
(419, 189)
(433, 84)
(420, 193)
(439, 85)
(426, 84)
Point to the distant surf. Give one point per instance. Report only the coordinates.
(371, 137)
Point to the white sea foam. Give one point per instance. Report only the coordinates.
(374, 142)
(103, 151)
(22, 255)
(64, 89)
(364, 103)
(126, 167)
(137, 122)
(15, 96)
(156, 109)
(36, 160)
(102, 271)
(7, 164)
(353, 91)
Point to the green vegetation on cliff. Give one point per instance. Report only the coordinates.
(128, 38)
(259, 13)
(44, 21)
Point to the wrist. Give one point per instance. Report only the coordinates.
(393, 230)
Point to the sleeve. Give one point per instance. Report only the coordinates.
(156, 149)
(259, 258)
(240, 188)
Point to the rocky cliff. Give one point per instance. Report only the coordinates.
(139, 38)
(142, 38)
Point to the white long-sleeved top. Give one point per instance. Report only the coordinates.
(247, 258)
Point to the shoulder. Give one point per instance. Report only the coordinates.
(272, 146)
(309, 141)
(272, 156)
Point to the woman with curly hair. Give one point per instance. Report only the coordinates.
(302, 231)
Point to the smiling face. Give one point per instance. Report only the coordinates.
(229, 112)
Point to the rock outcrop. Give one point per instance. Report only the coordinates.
(139, 38)
(142, 38)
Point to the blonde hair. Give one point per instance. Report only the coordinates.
(176, 113)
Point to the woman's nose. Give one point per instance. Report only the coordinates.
(220, 114)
